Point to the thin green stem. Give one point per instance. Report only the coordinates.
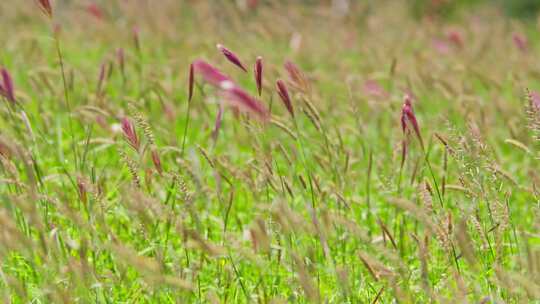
(186, 128)
(66, 96)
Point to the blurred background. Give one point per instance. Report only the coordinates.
(525, 9)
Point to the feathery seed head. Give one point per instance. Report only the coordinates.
(191, 81)
(242, 100)
(6, 88)
(408, 119)
(258, 74)
(208, 72)
(130, 134)
(231, 57)
(45, 6)
(284, 95)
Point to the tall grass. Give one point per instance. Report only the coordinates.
(148, 166)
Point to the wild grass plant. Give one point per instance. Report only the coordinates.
(316, 155)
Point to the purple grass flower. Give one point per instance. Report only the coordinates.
(45, 6)
(373, 88)
(520, 41)
(441, 46)
(408, 119)
(130, 134)
(455, 38)
(231, 56)
(296, 76)
(7, 88)
(209, 73)
(231, 92)
(534, 100)
(240, 99)
(258, 74)
(191, 82)
(94, 10)
(157, 161)
(284, 95)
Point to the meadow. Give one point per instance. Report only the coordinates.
(267, 152)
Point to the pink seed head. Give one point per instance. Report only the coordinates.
(258, 74)
(7, 88)
(130, 134)
(534, 99)
(373, 88)
(94, 10)
(441, 46)
(520, 41)
(284, 95)
(408, 119)
(45, 6)
(232, 93)
(455, 38)
(252, 4)
(157, 161)
(296, 76)
(231, 57)
(240, 99)
(191, 82)
(209, 73)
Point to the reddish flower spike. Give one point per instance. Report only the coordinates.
(231, 57)
(284, 95)
(258, 74)
(373, 88)
(7, 89)
(534, 99)
(157, 161)
(191, 82)
(455, 37)
(520, 41)
(407, 116)
(232, 93)
(130, 134)
(296, 76)
(242, 100)
(209, 73)
(94, 10)
(45, 6)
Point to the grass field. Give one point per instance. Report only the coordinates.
(395, 160)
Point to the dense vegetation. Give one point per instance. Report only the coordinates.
(336, 152)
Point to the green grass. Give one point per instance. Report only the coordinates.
(304, 210)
